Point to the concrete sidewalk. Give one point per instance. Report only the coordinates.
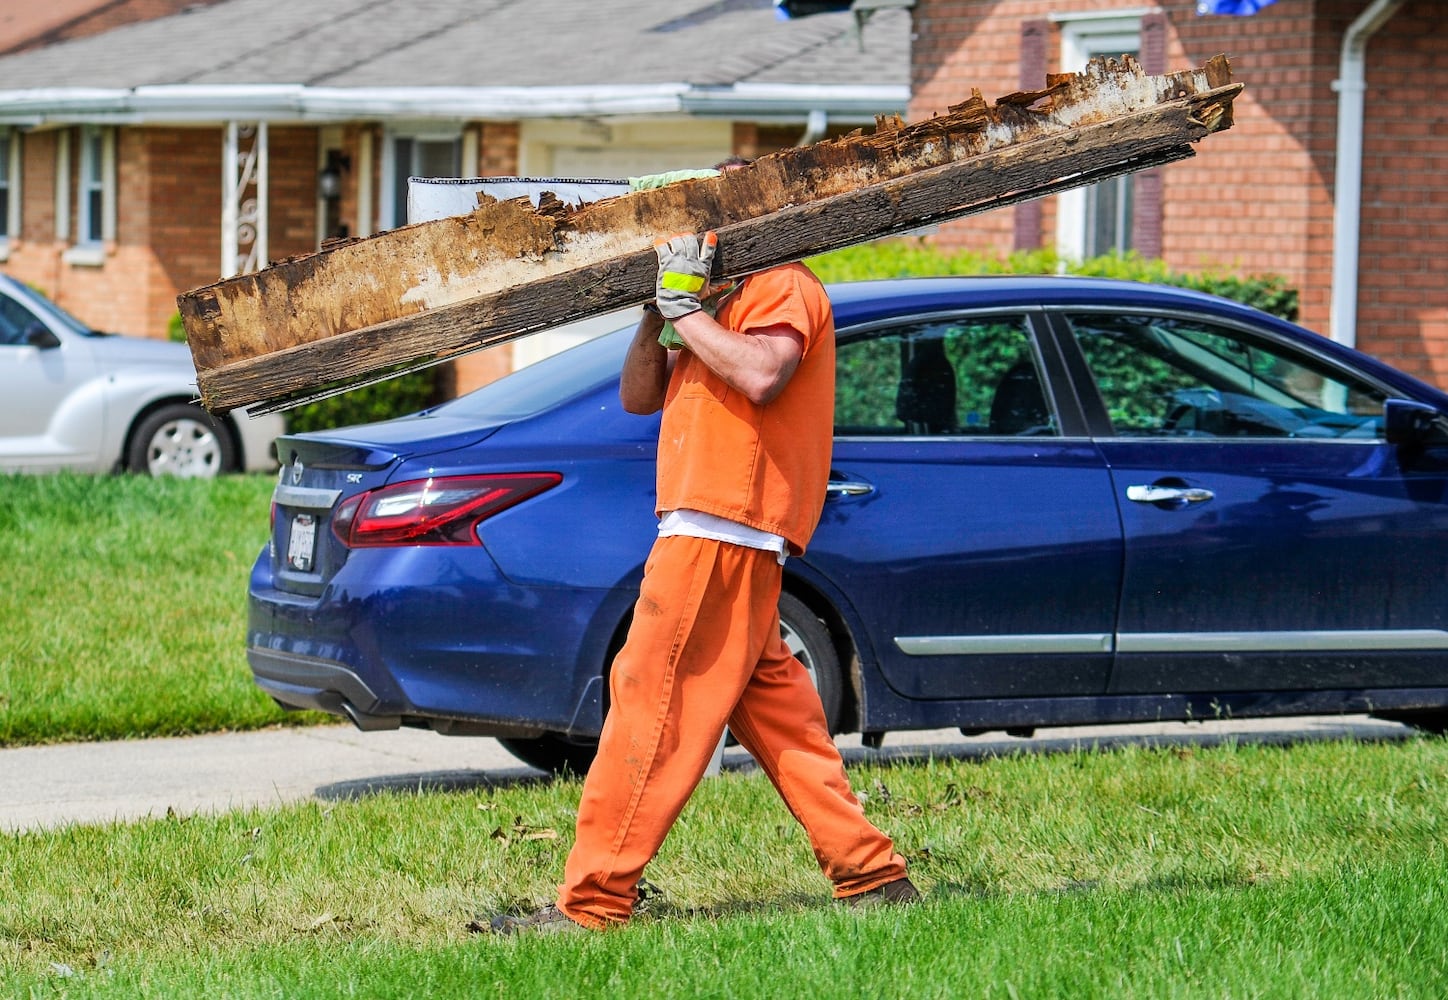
(43, 787)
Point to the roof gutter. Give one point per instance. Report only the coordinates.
(278, 103)
(1351, 87)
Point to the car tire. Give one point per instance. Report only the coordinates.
(553, 754)
(803, 632)
(809, 640)
(180, 439)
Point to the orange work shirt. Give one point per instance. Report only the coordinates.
(761, 466)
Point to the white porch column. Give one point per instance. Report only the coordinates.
(243, 198)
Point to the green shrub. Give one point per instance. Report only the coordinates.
(175, 329)
(395, 397)
(904, 258)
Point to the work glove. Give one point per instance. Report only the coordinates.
(669, 337)
(684, 265)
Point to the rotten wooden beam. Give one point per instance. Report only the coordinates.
(414, 296)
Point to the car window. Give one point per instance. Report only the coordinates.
(15, 321)
(544, 383)
(954, 376)
(1173, 377)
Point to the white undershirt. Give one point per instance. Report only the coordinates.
(697, 524)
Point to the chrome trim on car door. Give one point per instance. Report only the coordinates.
(968, 645)
(1256, 642)
(1174, 642)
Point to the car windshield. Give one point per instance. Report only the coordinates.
(544, 383)
(32, 298)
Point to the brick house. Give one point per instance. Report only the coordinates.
(1262, 197)
(143, 159)
(1328, 177)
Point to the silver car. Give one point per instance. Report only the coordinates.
(75, 398)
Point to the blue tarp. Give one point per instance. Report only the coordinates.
(1232, 6)
(786, 9)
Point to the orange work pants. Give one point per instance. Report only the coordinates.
(704, 650)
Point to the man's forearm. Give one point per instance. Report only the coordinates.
(757, 364)
(645, 375)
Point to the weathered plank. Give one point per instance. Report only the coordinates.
(440, 289)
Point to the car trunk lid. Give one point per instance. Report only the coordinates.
(319, 471)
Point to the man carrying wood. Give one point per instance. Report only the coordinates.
(743, 461)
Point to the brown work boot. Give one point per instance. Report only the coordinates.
(896, 893)
(549, 920)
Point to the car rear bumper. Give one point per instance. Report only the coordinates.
(455, 655)
(307, 682)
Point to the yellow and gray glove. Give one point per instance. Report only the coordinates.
(684, 265)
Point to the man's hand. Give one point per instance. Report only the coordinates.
(684, 265)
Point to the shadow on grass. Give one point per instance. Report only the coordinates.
(660, 908)
(1274, 732)
(432, 781)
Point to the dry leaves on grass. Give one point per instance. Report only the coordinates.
(521, 832)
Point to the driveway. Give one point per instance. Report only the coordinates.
(43, 787)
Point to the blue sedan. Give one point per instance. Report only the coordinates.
(1054, 501)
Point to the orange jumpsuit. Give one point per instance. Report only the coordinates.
(704, 649)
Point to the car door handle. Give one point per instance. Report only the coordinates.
(1166, 494)
(846, 488)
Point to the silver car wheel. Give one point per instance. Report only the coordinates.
(184, 447)
(800, 650)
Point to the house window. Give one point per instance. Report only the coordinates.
(416, 155)
(9, 182)
(94, 193)
(1097, 219)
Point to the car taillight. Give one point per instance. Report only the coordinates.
(443, 510)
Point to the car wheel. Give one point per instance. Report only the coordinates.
(553, 754)
(181, 440)
(809, 641)
(802, 631)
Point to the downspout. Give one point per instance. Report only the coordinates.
(815, 127)
(1351, 86)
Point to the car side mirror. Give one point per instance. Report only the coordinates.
(1408, 422)
(41, 336)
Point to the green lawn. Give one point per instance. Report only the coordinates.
(124, 603)
(1318, 870)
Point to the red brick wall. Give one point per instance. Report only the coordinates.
(1259, 197)
(1402, 301)
(1242, 203)
(293, 168)
(168, 221)
(109, 295)
(965, 45)
(498, 149)
(37, 210)
(183, 178)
